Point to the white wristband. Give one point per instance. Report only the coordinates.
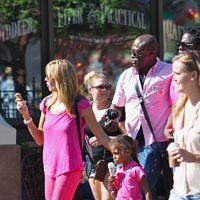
(26, 122)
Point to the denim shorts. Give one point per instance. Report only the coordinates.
(176, 196)
(92, 171)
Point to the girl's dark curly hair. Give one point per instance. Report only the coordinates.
(126, 143)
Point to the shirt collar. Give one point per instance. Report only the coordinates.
(154, 67)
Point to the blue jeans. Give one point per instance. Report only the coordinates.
(149, 158)
(176, 196)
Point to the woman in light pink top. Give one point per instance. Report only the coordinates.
(130, 178)
(57, 130)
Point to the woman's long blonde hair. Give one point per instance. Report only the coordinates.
(192, 62)
(66, 83)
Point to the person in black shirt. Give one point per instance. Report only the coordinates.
(99, 89)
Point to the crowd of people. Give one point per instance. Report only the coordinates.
(156, 102)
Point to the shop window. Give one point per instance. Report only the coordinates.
(97, 35)
(20, 52)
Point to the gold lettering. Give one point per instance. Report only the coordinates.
(124, 17)
(68, 16)
(16, 29)
(173, 31)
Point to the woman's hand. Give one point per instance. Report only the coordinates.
(94, 142)
(182, 155)
(22, 106)
(111, 125)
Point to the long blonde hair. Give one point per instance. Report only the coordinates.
(66, 83)
(192, 62)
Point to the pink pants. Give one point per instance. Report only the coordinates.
(62, 187)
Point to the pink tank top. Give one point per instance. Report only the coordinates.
(61, 151)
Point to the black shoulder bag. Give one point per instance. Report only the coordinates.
(166, 171)
(86, 150)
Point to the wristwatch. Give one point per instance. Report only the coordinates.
(26, 122)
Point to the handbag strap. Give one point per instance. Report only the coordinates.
(141, 101)
(104, 154)
(78, 125)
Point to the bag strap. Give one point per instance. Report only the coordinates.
(104, 154)
(141, 101)
(78, 125)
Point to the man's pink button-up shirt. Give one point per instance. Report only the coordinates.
(156, 94)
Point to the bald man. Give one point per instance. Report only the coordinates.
(153, 78)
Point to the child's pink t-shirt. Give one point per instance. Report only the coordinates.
(61, 150)
(127, 182)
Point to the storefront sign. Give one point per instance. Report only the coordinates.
(16, 29)
(132, 18)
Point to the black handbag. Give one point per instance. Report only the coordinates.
(101, 167)
(166, 172)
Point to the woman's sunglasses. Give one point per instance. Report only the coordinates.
(102, 87)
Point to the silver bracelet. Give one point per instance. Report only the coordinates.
(26, 122)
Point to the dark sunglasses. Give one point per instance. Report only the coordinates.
(184, 45)
(139, 54)
(135, 54)
(102, 87)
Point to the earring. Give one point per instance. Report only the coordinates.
(192, 79)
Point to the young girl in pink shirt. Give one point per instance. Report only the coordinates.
(130, 177)
(57, 130)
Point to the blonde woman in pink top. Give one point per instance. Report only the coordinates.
(130, 178)
(57, 130)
